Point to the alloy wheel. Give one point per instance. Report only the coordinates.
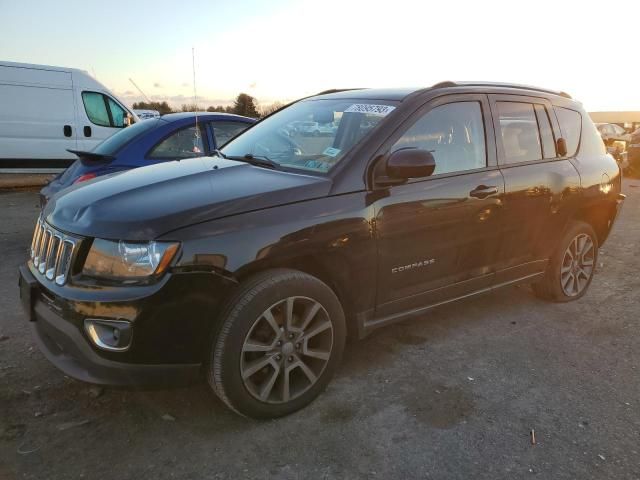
(286, 350)
(577, 265)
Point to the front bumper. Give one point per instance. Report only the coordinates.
(160, 355)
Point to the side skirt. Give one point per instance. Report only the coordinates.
(367, 322)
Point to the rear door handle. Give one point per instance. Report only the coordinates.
(67, 130)
(483, 191)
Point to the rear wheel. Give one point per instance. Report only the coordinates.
(280, 343)
(571, 268)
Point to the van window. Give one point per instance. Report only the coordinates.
(571, 127)
(519, 132)
(546, 133)
(96, 108)
(454, 133)
(117, 113)
(184, 143)
(103, 110)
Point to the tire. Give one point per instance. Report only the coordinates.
(581, 243)
(256, 349)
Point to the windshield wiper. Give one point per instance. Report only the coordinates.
(259, 161)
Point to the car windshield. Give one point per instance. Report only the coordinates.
(311, 135)
(115, 142)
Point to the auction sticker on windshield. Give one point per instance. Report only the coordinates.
(382, 110)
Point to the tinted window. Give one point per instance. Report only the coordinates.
(115, 142)
(96, 108)
(571, 127)
(117, 113)
(519, 132)
(454, 133)
(546, 133)
(225, 131)
(181, 144)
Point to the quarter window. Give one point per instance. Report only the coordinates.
(546, 133)
(571, 127)
(454, 133)
(225, 131)
(184, 143)
(519, 132)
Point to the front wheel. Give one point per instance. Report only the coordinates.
(281, 340)
(571, 268)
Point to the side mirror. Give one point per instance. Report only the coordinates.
(410, 163)
(561, 147)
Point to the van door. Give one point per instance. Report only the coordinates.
(37, 123)
(541, 188)
(99, 117)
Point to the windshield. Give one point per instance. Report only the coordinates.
(311, 135)
(115, 142)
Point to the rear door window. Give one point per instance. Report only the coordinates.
(571, 128)
(225, 131)
(184, 143)
(519, 132)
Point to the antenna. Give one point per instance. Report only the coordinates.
(195, 98)
(140, 90)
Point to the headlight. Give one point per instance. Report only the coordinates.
(128, 260)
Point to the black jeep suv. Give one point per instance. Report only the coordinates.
(252, 265)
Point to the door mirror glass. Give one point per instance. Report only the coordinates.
(410, 163)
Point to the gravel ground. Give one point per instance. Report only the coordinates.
(454, 395)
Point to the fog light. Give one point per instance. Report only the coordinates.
(112, 335)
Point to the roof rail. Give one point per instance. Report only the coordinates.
(336, 90)
(499, 84)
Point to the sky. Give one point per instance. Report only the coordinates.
(281, 50)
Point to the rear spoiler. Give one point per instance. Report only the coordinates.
(91, 157)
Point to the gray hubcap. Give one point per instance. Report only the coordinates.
(577, 265)
(286, 350)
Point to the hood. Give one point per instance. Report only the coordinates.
(144, 203)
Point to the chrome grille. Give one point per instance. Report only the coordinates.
(52, 252)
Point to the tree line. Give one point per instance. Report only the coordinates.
(244, 104)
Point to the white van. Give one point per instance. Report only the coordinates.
(46, 110)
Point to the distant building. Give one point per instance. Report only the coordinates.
(628, 120)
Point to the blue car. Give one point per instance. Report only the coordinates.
(170, 137)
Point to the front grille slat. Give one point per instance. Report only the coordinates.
(52, 252)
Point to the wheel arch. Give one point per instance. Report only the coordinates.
(336, 278)
(600, 216)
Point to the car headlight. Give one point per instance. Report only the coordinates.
(122, 260)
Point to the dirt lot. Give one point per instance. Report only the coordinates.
(454, 395)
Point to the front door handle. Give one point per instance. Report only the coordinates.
(87, 131)
(483, 191)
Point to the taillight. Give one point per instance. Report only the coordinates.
(85, 177)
